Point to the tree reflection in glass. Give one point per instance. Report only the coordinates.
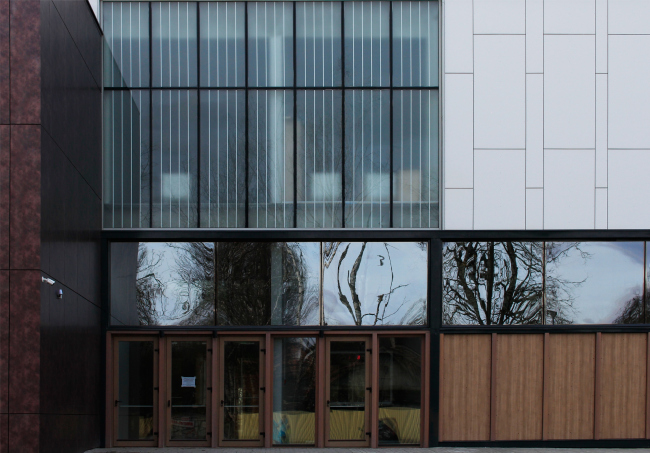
(267, 283)
(489, 283)
(174, 283)
(374, 283)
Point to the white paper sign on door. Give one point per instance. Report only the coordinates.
(188, 381)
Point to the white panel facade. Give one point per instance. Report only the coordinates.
(571, 89)
(499, 203)
(499, 16)
(500, 92)
(458, 25)
(459, 209)
(569, 189)
(629, 188)
(629, 91)
(629, 16)
(569, 85)
(459, 124)
(569, 16)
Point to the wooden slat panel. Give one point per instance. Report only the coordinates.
(465, 387)
(519, 387)
(622, 386)
(570, 379)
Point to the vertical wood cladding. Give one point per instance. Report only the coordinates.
(465, 387)
(561, 387)
(569, 380)
(622, 385)
(519, 385)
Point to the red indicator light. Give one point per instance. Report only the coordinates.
(358, 357)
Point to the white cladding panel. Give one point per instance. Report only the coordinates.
(552, 123)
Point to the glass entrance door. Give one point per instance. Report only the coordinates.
(347, 392)
(242, 391)
(188, 395)
(135, 391)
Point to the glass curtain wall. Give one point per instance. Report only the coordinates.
(269, 283)
(553, 283)
(271, 114)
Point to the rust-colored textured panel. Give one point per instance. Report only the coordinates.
(25, 48)
(25, 202)
(5, 152)
(24, 430)
(24, 342)
(465, 387)
(4, 61)
(622, 386)
(4, 342)
(569, 386)
(519, 387)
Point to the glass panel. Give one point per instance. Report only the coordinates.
(175, 166)
(375, 283)
(415, 159)
(241, 388)
(163, 284)
(223, 159)
(294, 391)
(347, 404)
(367, 44)
(135, 396)
(594, 282)
(318, 44)
(367, 159)
(268, 283)
(222, 44)
(270, 44)
(319, 181)
(271, 155)
(126, 44)
(174, 44)
(400, 387)
(189, 383)
(487, 283)
(415, 44)
(126, 159)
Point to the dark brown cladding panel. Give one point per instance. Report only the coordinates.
(5, 147)
(25, 202)
(24, 341)
(25, 48)
(4, 62)
(4, 342)
(23, 433)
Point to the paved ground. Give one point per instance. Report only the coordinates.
(370, 450)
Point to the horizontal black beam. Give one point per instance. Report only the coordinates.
(383, 234)
(288, 88)
(311, 330)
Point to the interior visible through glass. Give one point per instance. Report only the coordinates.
(135, 393)
(188, 390)
(294, 390)
(241, 390)
(347, 390)
(400, 390)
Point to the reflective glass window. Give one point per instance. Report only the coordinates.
(486, 283)
(594, 283)
(400, 390)
(367, 59)
(294, 391)
(374, 283)
(222, 44)
(318, 44)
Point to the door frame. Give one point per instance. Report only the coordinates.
(208, 397)
(114, 372)
(368, 392)
(262, 392)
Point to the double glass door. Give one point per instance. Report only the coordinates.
(336, 391)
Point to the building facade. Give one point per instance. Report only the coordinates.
(353, 224)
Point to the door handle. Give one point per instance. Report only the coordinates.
(116, 402)
(169, 403)
(328, 403)
(221, 403)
